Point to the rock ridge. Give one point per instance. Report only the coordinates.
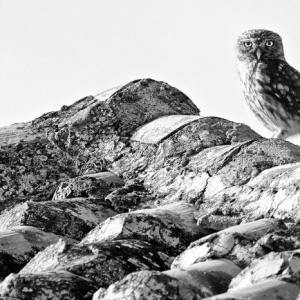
(131, 194)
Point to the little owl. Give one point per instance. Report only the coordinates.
(270, 85)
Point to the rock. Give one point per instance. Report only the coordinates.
(139, 177)
(142, 285)
(233, 243)
(179, 165)
(20, 244)
(281, 240)
(272, 193)
(195, 282)
(282, 265)
(71, 218)
(132, 196)
(31, 170)
(268, 290)
(108, 177)
(171, 226)
(48, 285)
(97, 125)
(103, 263)
(156, 131)
(210, 277)
(85, 186)
(82, 138)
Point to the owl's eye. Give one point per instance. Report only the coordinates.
(269, 43)
(247, 44)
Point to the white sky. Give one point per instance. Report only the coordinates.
(54, 52)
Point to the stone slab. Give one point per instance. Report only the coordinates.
(106, 176)
(161, 128)
(106, 94)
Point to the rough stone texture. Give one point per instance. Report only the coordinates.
(282, 240)
(71, 218)
(156, 131)
(273, 193)
(103, 263)
(142, 285)
(266, 290)
(81, 138)
(128, 151)
(48, 285)
(132, 196)
(179, 166)
(282, 265)
(20, 244)
(85, 186)
(170, 226)
(235, 243)
(102, 127)
(195, 282)
(31, 170)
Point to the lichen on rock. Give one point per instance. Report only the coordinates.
(131, 194)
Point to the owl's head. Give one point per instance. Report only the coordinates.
(259, 44)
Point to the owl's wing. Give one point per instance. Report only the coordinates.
(284, 86)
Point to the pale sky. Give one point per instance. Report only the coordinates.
(54, 52)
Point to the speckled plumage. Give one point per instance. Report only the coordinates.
(270, 85)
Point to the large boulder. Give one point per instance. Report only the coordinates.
(20, 244)
(171, 226)
(195, 282)
(233, 243)
(72, 218)
(81, 138)
(104, 263)
(48, 285)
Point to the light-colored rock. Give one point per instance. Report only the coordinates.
(17, 133)
(171, 226)
(71, 217)
(108, 177)
(161, 128)
(277, 265)
(103, 263)
(234, 243)
(20, 244)
(195, 282)
(21, 240)
(180, 165)
(274, 192)
(267, 290)
(98, 124)
(85, 186)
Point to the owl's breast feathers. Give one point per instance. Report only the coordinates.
(272, 90)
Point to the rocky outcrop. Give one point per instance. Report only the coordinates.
(48, 285)
(195, 282)
(131, 194)
(70, 217)
(20, 244)
(171, 226)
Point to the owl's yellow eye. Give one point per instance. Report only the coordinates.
(247, 44)
(269, 43)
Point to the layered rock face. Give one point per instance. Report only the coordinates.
(131, 194)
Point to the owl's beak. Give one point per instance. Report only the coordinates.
(258, 53)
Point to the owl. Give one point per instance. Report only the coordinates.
(270, 85)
